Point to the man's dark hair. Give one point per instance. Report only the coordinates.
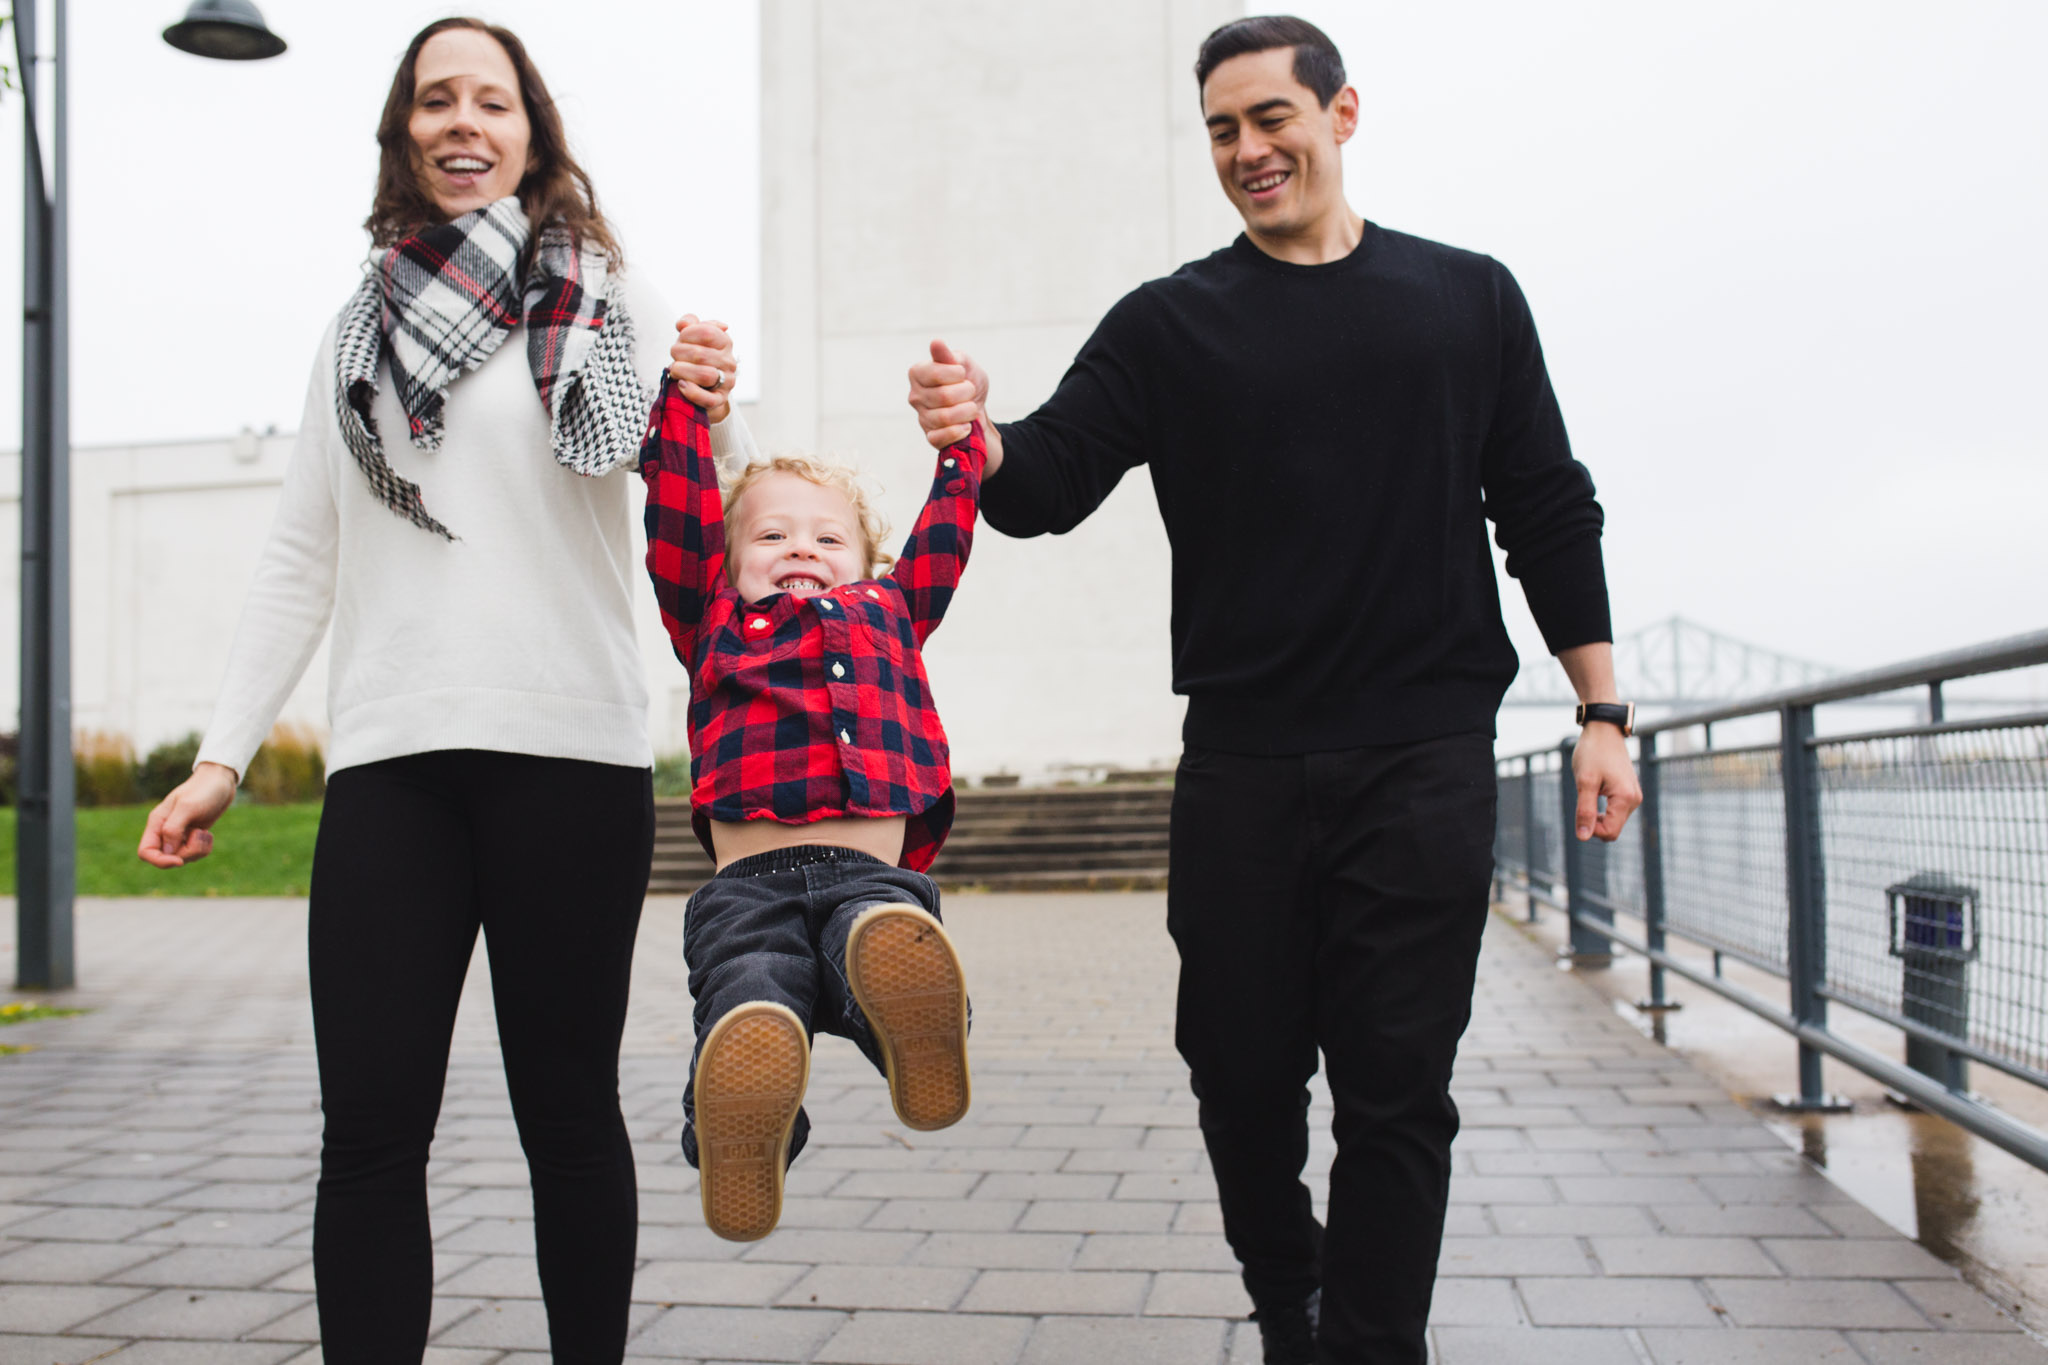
(1317, 64)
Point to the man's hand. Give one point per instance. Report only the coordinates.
(701, 358)
(950, 394)
(1601, 767)
(1600, 763)
(180, 829)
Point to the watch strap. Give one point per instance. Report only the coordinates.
(1617, 713)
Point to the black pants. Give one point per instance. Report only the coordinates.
(773, 927)
(1335, 901)
(549, 857)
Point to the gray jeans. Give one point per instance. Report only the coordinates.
(773, 927)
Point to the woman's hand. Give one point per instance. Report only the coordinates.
(180, 828)
(703, 365)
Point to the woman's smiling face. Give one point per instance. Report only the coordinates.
(472, 144)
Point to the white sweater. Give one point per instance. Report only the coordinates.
(517, 636)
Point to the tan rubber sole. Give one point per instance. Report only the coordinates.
(751, 1077)
(907, 980)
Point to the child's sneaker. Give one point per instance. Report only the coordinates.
(750, 1083)
(907, 980)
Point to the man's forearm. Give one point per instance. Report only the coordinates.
(1591, 670)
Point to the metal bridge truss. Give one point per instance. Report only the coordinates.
(1677, 665)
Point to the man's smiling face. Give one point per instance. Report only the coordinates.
(1278, 151)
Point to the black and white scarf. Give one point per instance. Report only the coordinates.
(438, 304)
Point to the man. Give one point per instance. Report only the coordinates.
(1330, 412)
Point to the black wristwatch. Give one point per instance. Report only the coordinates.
(1617, 713)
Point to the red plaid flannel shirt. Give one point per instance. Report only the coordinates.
(803, 709)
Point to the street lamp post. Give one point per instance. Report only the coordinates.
(46, 854)
(45, 849)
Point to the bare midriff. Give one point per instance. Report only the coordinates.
(880, 837)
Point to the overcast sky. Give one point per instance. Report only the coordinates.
(1787, 259)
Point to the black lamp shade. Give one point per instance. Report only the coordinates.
(231, 30)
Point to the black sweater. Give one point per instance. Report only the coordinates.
(1326, 443)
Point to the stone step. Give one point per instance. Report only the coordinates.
(1025, 860)
(1111, 837)
(1068, 879)
(1078, 879)
(1063, 826)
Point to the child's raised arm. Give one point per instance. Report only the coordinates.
(685, 515)
(929, 567)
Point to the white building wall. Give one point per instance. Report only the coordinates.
(164, 542)
(993, 173)
(998, 175)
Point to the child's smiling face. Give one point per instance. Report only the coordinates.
(794, 536)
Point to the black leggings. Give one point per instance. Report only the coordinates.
(549, 857)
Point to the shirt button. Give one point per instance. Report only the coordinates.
(758, 623)
(845, 738)
(950, 462)
(956, 485)
(824, 604)
(876, 595)
(838, 670)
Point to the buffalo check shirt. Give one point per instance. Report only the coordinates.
(805, 708)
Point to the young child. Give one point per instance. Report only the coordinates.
(821, 785)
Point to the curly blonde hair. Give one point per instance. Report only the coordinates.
(874, 527)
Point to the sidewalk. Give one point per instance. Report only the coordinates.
(1611, 1206)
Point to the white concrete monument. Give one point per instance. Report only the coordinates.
(997, 175)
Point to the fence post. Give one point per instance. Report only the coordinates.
(1806, 946)
(1650, 827)
(1493, 892)
(1585, 871)
(1529, 830)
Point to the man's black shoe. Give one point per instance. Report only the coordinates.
(1289, 1334)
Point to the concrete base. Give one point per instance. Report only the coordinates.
(1825, 1104)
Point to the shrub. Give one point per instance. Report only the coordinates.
(289, 767)
(10, 765)
(168, 764)
(672, 775)
(103, 765)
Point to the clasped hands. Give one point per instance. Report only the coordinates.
(950, 393)
(703, 365)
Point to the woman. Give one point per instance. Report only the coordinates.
(489, 761)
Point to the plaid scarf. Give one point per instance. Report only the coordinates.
(437, 305)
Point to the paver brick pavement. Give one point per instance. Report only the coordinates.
(1610, 1203)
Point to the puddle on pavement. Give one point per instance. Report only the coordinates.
(1977, 1207)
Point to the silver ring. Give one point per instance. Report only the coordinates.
(717, 381)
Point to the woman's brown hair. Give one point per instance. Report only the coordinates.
(556, 192)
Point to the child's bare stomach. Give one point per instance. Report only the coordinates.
(879, 837)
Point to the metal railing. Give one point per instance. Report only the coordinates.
(1902, 873)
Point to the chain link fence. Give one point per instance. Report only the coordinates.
(1903, 874)
(1936, 853)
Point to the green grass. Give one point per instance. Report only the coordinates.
(257, 851)
(21, 1011)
